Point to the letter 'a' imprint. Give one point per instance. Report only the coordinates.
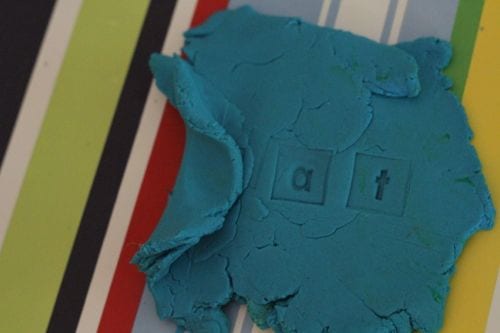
(301, 180)
(301, 174)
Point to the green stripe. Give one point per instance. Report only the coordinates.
(463, 40)
(58, 180)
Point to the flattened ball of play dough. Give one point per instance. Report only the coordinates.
(328, 181)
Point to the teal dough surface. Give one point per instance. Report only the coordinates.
(328, 181)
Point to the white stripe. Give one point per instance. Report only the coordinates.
(34, 107)
(132, 179)
(494, 321)
(323, 14)
(366, 18)
(240, 318)
(398, 21)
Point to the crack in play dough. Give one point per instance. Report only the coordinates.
(328, 181)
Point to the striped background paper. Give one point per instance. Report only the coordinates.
(89, 149)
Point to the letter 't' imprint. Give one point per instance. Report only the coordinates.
(301, 180)
(381, 180)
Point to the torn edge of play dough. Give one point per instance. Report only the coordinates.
(191, 100)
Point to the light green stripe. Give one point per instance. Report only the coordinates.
(463, 40)
(58, 180)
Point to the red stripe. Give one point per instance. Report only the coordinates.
(128, 283)
(206, 8)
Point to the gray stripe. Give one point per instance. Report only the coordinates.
(332, 13)
(247, 324)
(389, 21)
(428, 18)
(146, 319)
(308, 10)
(231, 311)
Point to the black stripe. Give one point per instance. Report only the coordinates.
(95, 219)
(22, 26)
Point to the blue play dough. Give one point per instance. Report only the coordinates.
(328, 181)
